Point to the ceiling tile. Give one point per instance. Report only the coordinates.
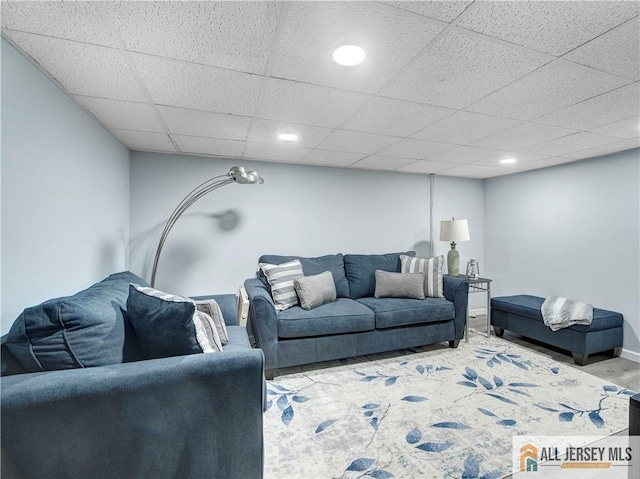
(425, 166)
(78, 21)
(621, 145)
(464, 154)
(122, 114)
(617, 51)
(209, 146)
(82, 69)
(331, 158)
(551, 88)
(274, 152)
(526, 134)
(460, 68)
(375, 162)
(569, 144)
(311, 31)
(447, 11)
(307, 104)
(356, 142)
(554, 27)
(144, 140)
(387, 116)
(467, 170)
(463, 127)
(231, 35)
(181, 121)
(188, 85)
(416, 149)
(628, 128)
(600, 110)
(266, 131)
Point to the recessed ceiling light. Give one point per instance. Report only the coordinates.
(288, 137)
(508, 161)
(348, 55)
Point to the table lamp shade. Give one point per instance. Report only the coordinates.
(454, 230)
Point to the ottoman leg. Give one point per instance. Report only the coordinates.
(580, 359)
(499, 331)
(454, 343)
(615, 353)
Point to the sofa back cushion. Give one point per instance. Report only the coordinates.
(312, 266)
(361, 271)
(87, 329)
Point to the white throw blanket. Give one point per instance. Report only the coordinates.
(559, 312)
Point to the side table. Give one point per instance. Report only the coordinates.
(479, 285)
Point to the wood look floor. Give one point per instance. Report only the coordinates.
(620, 371)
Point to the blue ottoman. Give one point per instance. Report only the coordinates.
(522, 314)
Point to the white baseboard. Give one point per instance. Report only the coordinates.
(477, 312)
(632, 355)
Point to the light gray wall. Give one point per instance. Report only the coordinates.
(65, 192)
(299, 210)
(570, 230)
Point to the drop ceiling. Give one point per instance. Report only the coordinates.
(447, 87)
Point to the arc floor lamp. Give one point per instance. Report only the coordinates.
(236, 174)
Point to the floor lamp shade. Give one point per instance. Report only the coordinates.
(454, 230)
(236, 174)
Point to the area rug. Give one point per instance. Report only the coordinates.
(443, 413)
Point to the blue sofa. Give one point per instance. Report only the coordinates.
(356, 323)
(195, 416)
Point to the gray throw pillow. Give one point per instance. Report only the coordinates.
(315, 290)
(212, 309)
(399, 285)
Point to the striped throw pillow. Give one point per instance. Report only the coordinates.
(281, 277)
(432, 269)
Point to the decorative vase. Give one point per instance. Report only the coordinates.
(473, 270)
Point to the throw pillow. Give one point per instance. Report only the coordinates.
(170, 325)
(211, 308)
(280, 277)
(432, 269)
(80, 331)
(399, 285)
(315, 290)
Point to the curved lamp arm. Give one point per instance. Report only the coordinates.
(236, 174)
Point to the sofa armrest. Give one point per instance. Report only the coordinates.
(264, 320)
(456, 290)
(188, 416)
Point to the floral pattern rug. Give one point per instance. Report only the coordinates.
(441, 413)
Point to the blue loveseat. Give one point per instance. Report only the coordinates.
(356, 323)
(111, 414)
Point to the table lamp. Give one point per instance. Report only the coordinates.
(454, 230)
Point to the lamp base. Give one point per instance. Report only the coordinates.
(453, 261)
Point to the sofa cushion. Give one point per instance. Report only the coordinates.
(170, 325)
(281, 277)
(315, 290)
(392, 312)
(338, 317)
(317, 265)
(84, 330)
(399, 285)
(361, 271)
(530, 307)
